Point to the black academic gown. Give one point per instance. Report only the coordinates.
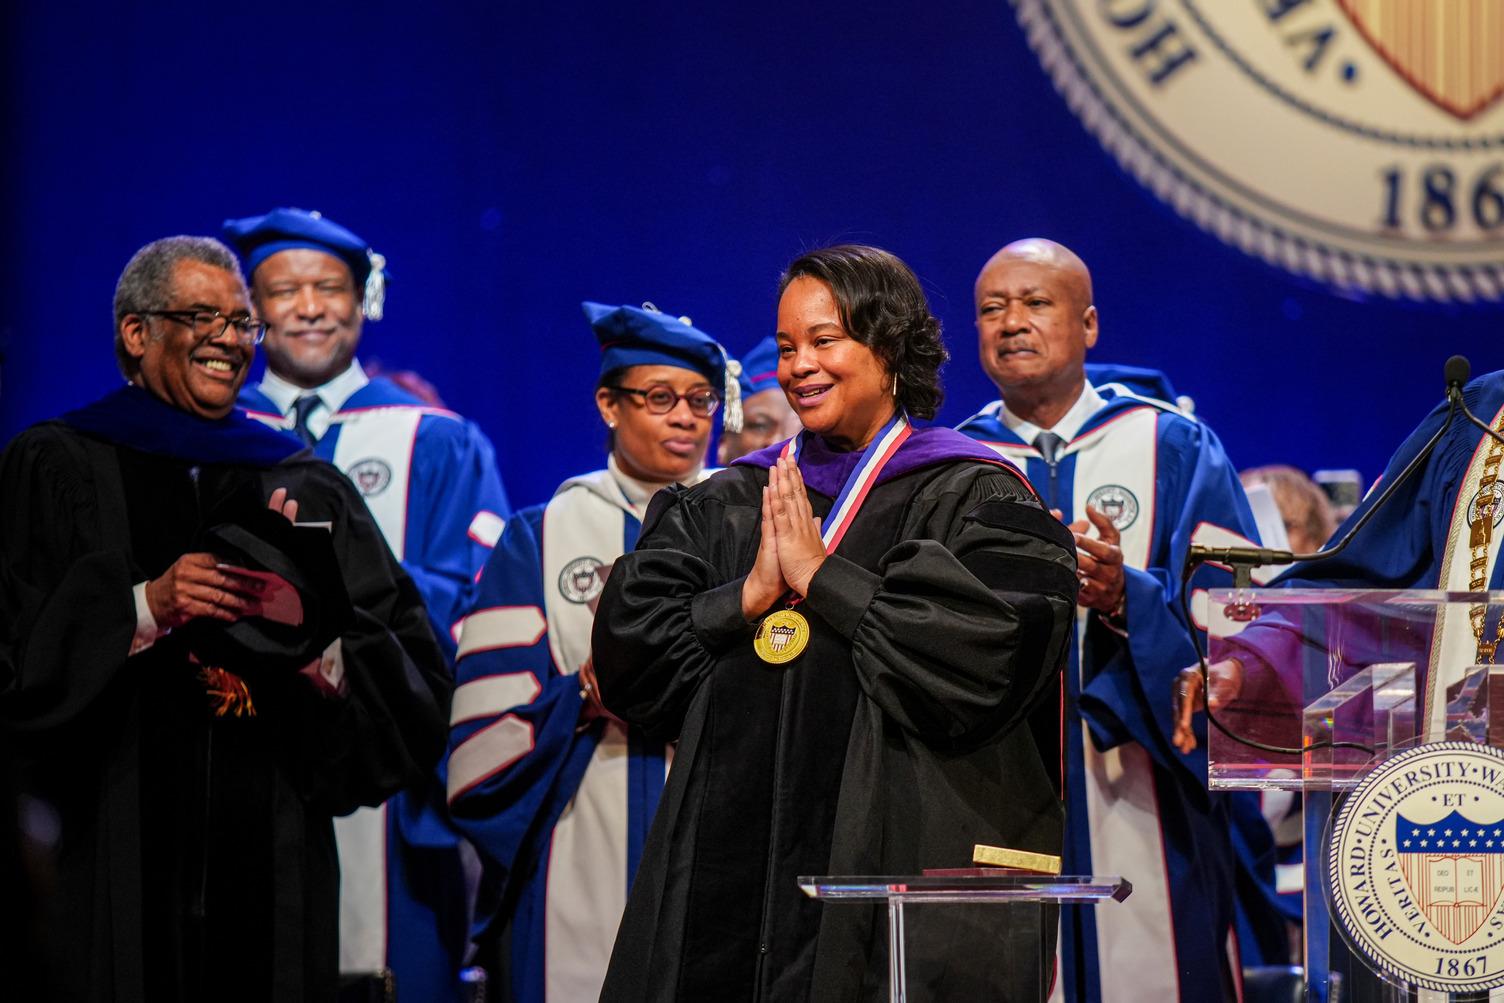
(196, 856)
(894, 743)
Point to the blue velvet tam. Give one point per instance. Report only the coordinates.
(256, 238)
(760, 367)
(646, 336)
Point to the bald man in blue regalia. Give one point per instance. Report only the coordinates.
(429, 478)
(1140, 480)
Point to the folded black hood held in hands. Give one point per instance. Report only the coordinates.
(263, 540)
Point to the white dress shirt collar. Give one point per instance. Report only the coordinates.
(333, 394)
(1088, 404)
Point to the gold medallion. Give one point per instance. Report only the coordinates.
(781, 637)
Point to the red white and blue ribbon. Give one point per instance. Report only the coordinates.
(853, 493)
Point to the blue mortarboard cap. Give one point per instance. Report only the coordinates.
(256, 238)
(1145, 382)
(646, 336)
(760, 367)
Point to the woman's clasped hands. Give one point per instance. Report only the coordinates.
(791, 550)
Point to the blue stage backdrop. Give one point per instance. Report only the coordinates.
(513, 159)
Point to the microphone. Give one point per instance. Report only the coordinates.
(1457, 372)
(1251, 556)
(1241, 561)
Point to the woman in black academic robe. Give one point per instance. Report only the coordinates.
(899, 737)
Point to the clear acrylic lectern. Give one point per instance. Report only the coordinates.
(1344, 681)
(1020, 901)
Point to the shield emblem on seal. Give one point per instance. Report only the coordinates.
(582, 579)
(371, 476)
(1452, 53)
(780, 636)
(1117, 503)
(1454, 870)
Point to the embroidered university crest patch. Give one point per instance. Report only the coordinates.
(580, 580)
(1497, 489)
(371, 476)
(1117, 503)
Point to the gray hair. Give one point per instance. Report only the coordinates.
(146, 282)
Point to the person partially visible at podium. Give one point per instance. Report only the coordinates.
(1442, 529)
(194, 685)
(845, 634)
(1138, 479)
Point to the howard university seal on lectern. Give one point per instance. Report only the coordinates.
(1416, 867)
(1360, 142)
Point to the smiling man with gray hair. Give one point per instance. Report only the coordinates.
(195, 682)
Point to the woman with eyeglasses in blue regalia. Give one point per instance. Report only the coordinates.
(555, 794)
(847, 635)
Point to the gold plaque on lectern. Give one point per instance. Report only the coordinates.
(1022, 860)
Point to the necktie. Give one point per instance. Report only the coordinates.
(301, 409)
(1049, 445)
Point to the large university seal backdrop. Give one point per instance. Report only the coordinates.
(1360, 142)
(1415, 872)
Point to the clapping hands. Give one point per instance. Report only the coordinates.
(1099, 561)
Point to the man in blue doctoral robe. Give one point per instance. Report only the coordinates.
(1441, 529)
(1140, 481)
(429, 478)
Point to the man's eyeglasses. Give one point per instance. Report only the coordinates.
(662, 400)
(212, 324)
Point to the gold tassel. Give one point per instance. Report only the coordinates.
(228, 694)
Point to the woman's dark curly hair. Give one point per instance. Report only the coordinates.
(883, 307)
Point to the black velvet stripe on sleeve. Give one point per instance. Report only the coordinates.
(1022, 573)
(996, 484)
(1024, 517)
(1037, 618)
